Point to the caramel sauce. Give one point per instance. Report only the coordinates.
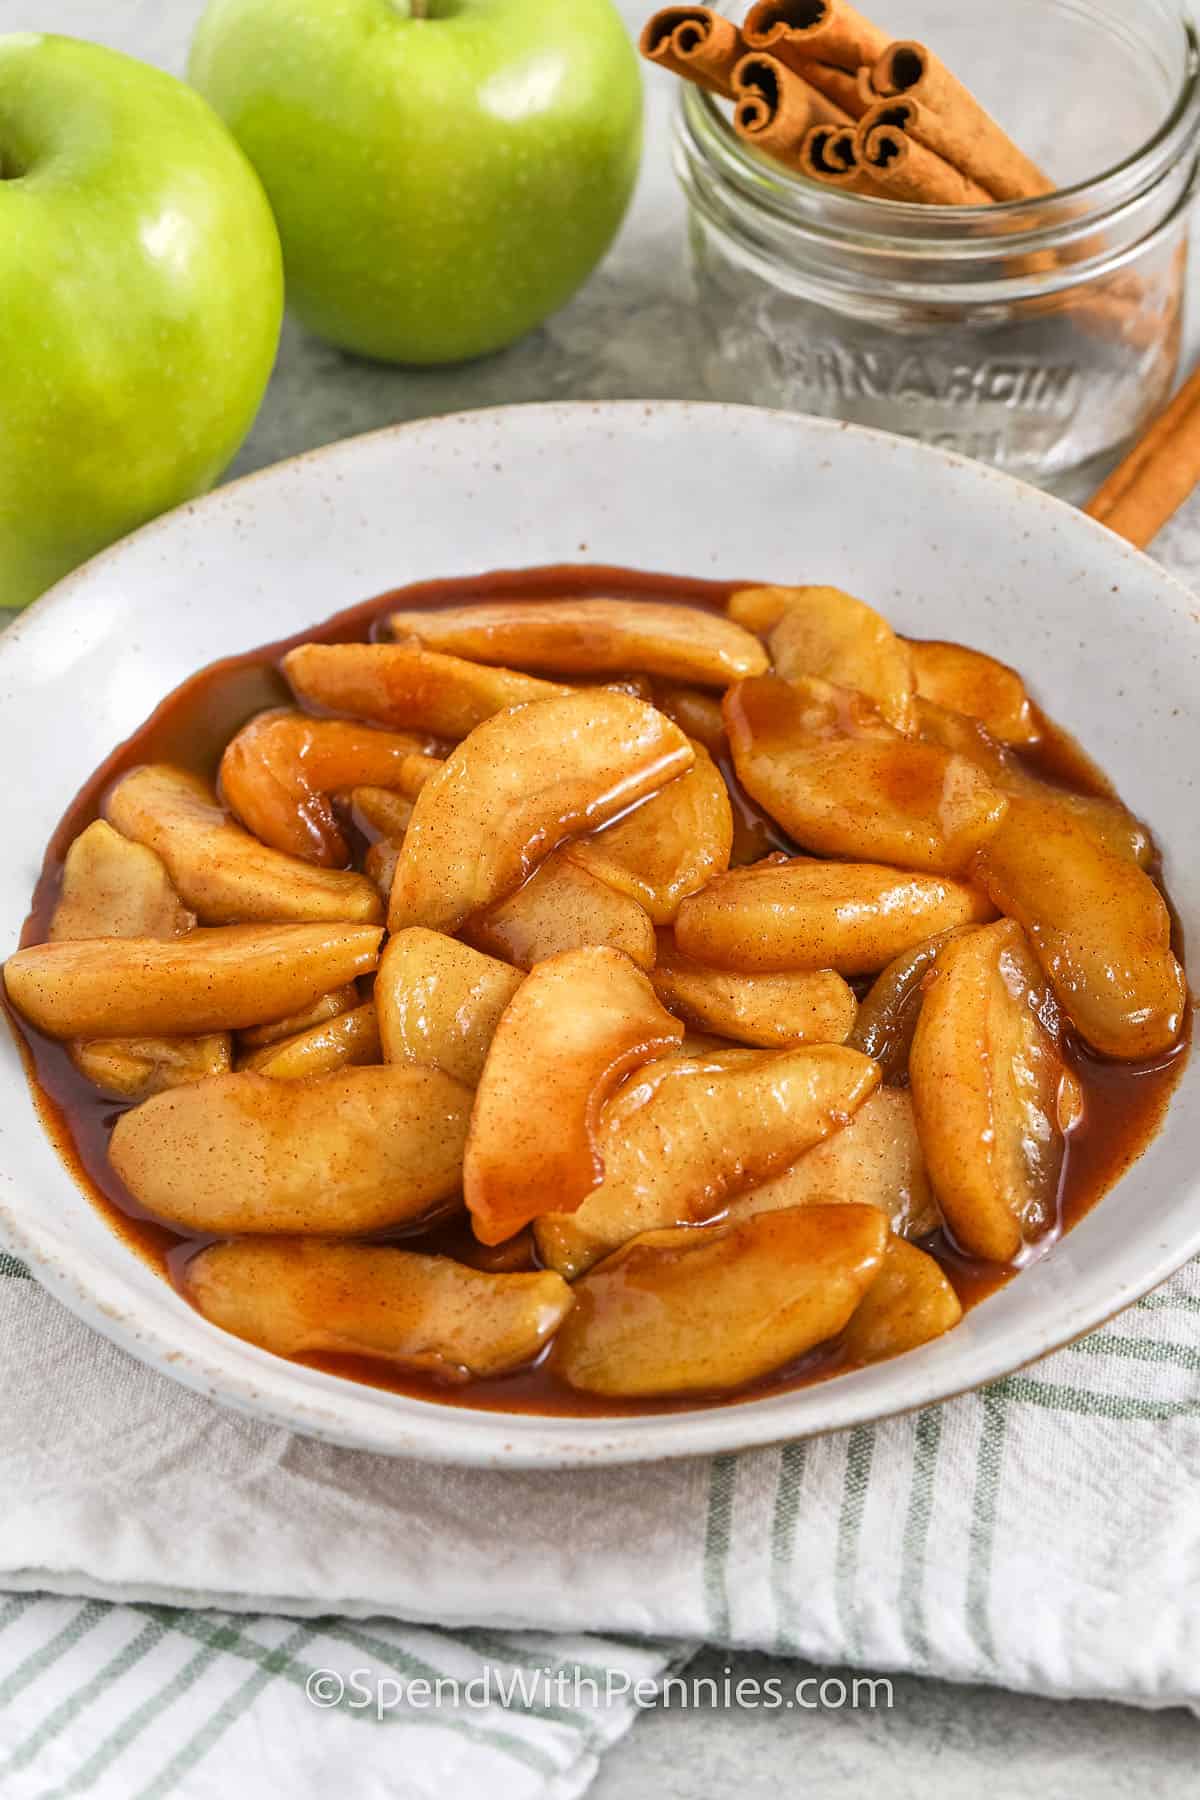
(1124, 1103)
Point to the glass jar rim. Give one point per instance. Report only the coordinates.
(1024, 225)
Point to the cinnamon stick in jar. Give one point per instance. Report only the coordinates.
(775, 108)
(825, 31)
(839, 86)
(694, 41)
(829, 156)
(917, 121)
(969, 137)
(906, 170)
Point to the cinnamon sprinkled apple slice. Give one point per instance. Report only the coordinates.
(220, 870)
(824, 632)
(667, 847)
(222, 979)
(278, 772)
(296, 1297)
(705, 1311)
(592, 637)
(439, 1002)
(564, 907)
(967, 681)
(112, 887)
(875, 1158)
(910, 1302)
(516, 788)
(842, 782)
(1098, 925)
(350, 1040)
(772, 1011)
(356, 1151)
(407, 687)
(987, 1076)
(798, 913)
(690, 1133)
(575, 1026)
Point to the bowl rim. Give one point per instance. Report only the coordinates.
(342, 1412)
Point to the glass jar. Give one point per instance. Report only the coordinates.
(1039, 336)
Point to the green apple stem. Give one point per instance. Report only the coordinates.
(418, 9)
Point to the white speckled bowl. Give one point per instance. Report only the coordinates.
(945, 547)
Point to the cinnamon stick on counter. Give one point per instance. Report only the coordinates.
(775, 108)
(1157, 476)
(826, 31)
(966, 135)
(906, 170)
(695, 42)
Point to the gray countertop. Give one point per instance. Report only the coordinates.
(621, 337)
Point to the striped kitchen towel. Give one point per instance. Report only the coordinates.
(235, 1592)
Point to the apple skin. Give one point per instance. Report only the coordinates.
(441, 184)
(141, 296)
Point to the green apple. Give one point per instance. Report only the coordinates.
(141, 294)
(444, 173)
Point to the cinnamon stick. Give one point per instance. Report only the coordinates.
(694, 41)
(970, 138)
(907, 170)
(829, 156)
(775, 108)
(837, 85)
(1157, 476)
(827, 31)
(914, 120)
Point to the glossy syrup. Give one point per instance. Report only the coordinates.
(1124, 1104)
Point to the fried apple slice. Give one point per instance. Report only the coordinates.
(874, 1158)
(219, 869)
(794, 913)
(408, 688)
(356, 1151)
(220, 980)
(591, 637)
(967, 681)
(707, 1310)
(329, 1006)
(771, 1011)
(295, 1297)
(689, 1134)
(439, 1002)
(349, 1041)
(888, 1014)
(519, 786)
(1112, 825)
(113, 888)
(134, 1068)
(986, 1073)
(1098, 926)
(840, 781)
(697, 713)
(574, 1027)
(278, 772)
(564, 907)
(382, 812)
(824, 632)
(909, 1303)
(667, 847)
(380, 865)
(640, 686)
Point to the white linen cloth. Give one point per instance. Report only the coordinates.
(1043, 1534)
